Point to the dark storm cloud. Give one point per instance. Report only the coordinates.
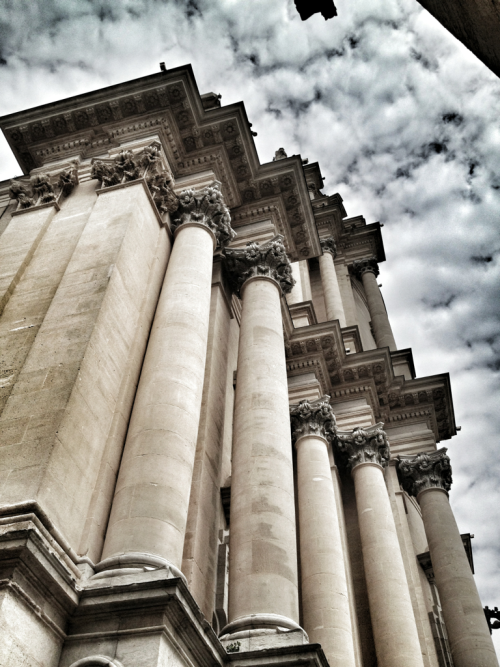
(404, 123)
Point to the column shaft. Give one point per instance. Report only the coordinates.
(378, 313)
(325, 600)
(306, 280)
(263, 555)
(468, 633)
(150, 506)
(331, 290)
(296, 295)
(393, 621)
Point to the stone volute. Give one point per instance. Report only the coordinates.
(265, 260)
(367, 445)
(425, 471)
(329, 245)
(362, 266)
(205, 207)
(312, 418)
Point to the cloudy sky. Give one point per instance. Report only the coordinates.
(404, 122)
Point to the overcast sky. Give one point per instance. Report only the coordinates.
(404, 122)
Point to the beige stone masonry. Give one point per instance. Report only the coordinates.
(57, 418)
(331, 290)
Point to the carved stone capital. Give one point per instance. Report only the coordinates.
(268, 259)
(369, 445)
(429, 470)
(312, 418)
(329, 245)
(361, 266)
(206, 207)
(41, 190)
(129, 166)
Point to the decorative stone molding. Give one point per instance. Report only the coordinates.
(268, 259)
(313, 418)
(329, 245)
(369, 445)
(429, 470)
(128, 166)
(41, 190)
(206, 207)
(361, 266)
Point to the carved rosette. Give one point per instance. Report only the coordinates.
(313, 418)
(329, 245)
(425, 471)
(129, 166)
(206, 207)
(361, 266)
(368, 445)
(41, 190)
(268, 259)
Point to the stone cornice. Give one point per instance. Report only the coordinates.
(369, 445)
(425, 471)
(205, 207)
(312, 418)
(168, 104)
(266, 260)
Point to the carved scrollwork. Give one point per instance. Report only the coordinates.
(208, 208)
(40, 189)
(369, 445)
(329, 245)
(128, 166)
(361, 266)
(430, 470)
(268, 259)
(313, 418)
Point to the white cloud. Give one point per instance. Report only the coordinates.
(404, 123)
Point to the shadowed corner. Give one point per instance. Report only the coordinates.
(307, 8)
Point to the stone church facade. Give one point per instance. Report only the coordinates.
(212, 450)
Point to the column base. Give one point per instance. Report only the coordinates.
(258, 631)
(132, 562)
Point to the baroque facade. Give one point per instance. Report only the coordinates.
(212, 450)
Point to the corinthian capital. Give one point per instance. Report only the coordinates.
(369, 445)
(312, 418)
(206, 207)
(361, 266)
(329, 245)
(425, 471)
(269, 259)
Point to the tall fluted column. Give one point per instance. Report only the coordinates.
(428, 478)
(367, 271)
(325, 602)
(394, 628)
(331, 289)
(149, 512)
(263, 582)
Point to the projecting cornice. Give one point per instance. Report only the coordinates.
(194, 138)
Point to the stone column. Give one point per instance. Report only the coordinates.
(263, 581)
(394, 628)
(331, 289)
(296, 294)
(150, 506)
(428, 478)
(325, 600)
(367, 271)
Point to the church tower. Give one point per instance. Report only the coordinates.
(212, 450)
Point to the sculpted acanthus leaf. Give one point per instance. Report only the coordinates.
(268, 259)
(313, 418)
(429, 470)
(206, 207)
(369, 445)
(128, 166)
(329, 245)
(361, 266)
(41, 190)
